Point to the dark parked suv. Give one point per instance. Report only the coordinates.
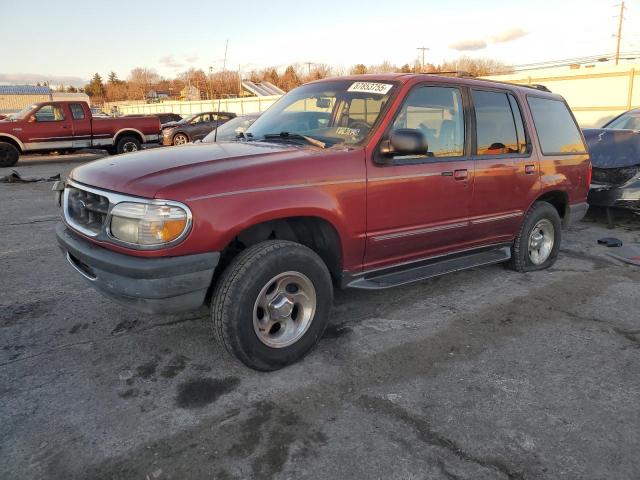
(363, 182)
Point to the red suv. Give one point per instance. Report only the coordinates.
(365, 182)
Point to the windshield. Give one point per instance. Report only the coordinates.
(231, 129)
(627, 121)
(22, 114)
(334, 112)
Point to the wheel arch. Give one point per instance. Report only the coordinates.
(134, 132)
(558, 198)
(314, 231)
(15, 141)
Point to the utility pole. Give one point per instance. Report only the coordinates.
(308, 64)
(619, 32)
(423, 50)
(224, 66)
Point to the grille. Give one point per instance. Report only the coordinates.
(87, 210)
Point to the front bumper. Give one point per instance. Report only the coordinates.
(627, 196)
(151, 285)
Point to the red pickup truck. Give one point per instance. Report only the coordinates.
(365, 182)
(66, 126)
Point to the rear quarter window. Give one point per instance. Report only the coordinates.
(557, 130)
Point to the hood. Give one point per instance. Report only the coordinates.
(613, 148)
(176, 173)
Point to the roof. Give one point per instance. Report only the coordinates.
(24, 90)
(405, 78)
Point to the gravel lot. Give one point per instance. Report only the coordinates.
(484, 374)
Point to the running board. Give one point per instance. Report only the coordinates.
(414, 272)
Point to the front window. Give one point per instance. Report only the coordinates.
(331, 112)
(50, 113)
(437, 112)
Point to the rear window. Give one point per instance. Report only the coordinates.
(557, 130)
(77, 112)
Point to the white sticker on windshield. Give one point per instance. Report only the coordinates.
(370, 87)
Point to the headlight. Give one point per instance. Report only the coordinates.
(149, 224)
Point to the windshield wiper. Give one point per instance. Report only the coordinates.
(296, 136)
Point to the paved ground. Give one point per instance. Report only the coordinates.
(485, 374)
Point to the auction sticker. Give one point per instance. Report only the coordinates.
(370, 87)
(349, 132)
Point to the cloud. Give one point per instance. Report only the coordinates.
(192, 59)
(31, 78)
(481, 43)
(170, 62)
(508, 35)
(467, 45)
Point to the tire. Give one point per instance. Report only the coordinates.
(9, 155)
(283, 274)
(180, 139)
(127, 144)
(530, 250)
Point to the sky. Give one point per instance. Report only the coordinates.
(67, 41)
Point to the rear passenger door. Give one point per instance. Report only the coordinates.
(81, 126)
(506, 171)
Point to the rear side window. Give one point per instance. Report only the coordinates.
(77, 112)
(557, 131)
(496, 132)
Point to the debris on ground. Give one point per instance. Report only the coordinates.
(610, 242)
(15, 177)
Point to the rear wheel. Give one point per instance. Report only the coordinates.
(271, 304)
(180, 139)
(538, 242)
(8, 155)
(127, 144)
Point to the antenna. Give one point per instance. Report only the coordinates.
(224, 65)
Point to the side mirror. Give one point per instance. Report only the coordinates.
(405, 141)
(32, 118)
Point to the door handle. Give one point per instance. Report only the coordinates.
(447, 174)
(529, 169)
(461, 174)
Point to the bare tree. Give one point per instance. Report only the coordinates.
(140, 81)
(475, 66)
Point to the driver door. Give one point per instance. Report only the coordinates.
(49, 127)
(418, 206)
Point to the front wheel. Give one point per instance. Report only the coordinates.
(538, 242)
(271, 304)
(180, 139)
